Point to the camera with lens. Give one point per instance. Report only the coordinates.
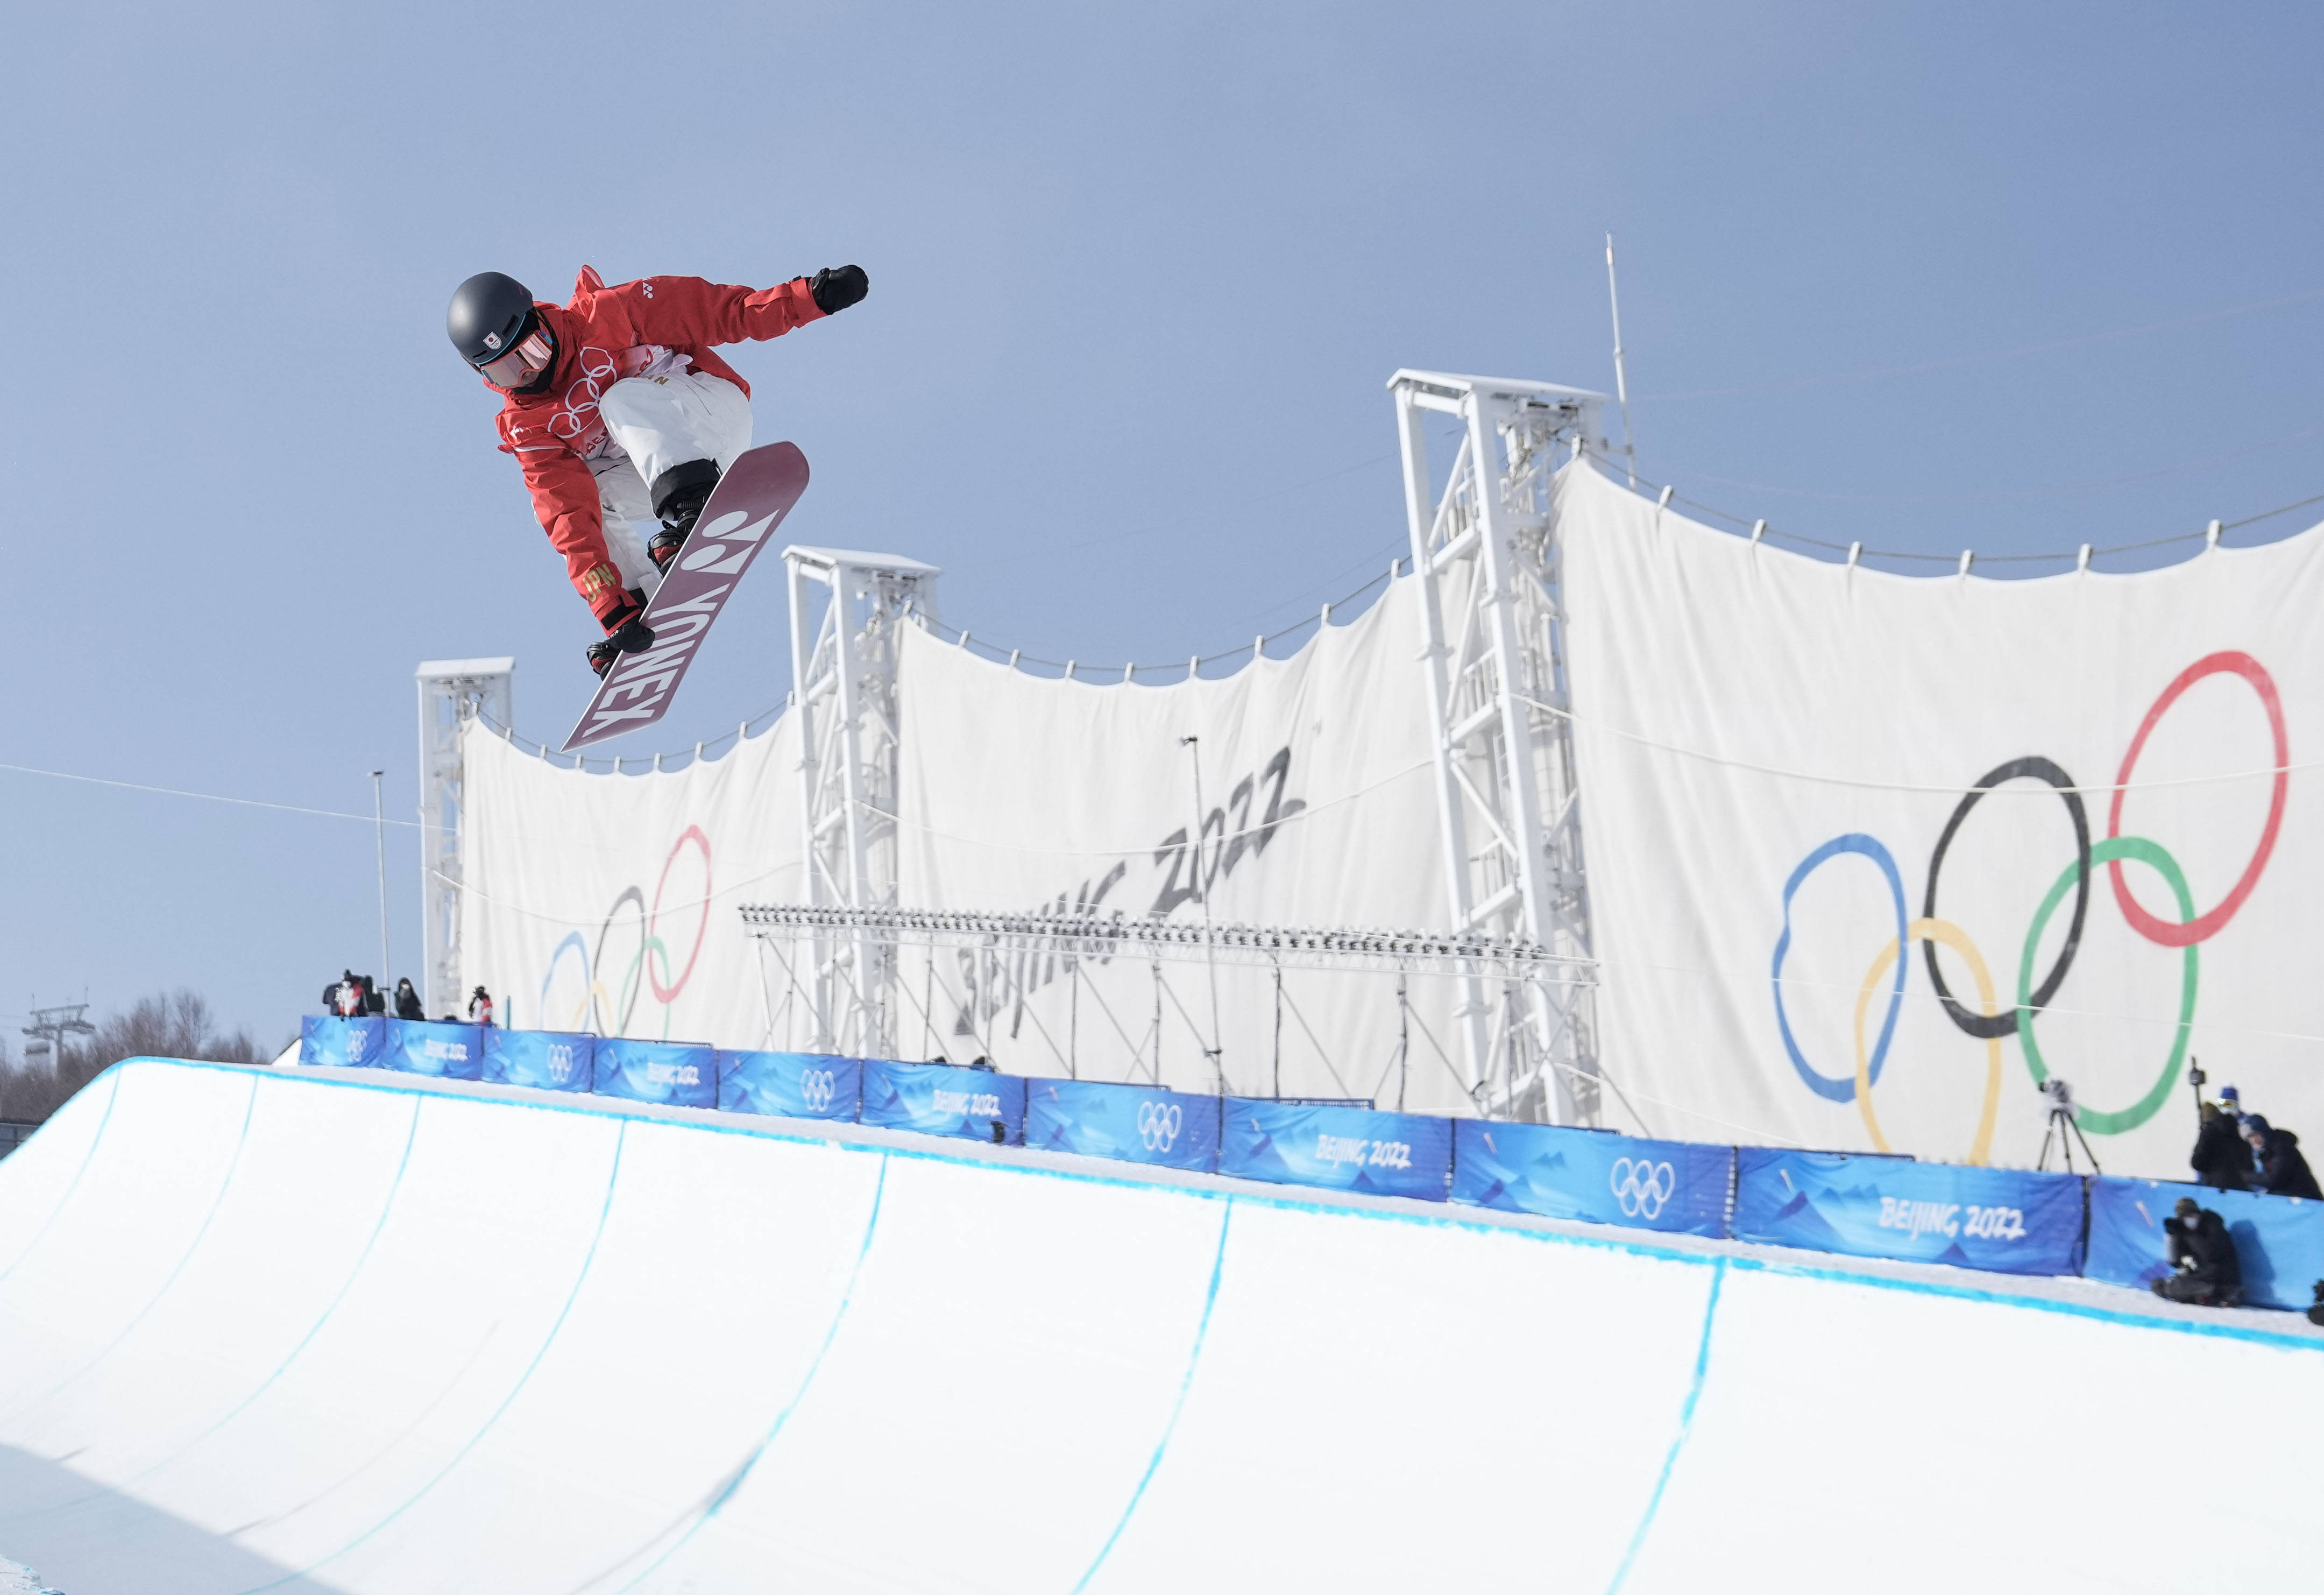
(2057, 1096)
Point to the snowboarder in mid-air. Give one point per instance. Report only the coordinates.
(617, 410)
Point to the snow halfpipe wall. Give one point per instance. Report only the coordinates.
(353, 1332)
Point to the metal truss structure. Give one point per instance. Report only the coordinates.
(452, 691)
(844, 690)
(1088, 937)
(1488, 563)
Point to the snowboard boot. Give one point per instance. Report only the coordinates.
(624, 634)
(678, 495)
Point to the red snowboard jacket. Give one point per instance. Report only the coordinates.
(602, 335)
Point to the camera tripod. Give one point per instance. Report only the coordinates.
(2065, 1132)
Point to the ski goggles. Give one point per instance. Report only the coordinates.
(520, 364)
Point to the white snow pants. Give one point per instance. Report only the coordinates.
(657, 422)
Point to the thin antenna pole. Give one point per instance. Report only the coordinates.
(379, 827)
(1622, 378)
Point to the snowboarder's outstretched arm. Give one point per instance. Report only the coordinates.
(688, 312)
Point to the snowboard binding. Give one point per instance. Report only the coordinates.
(679, 494)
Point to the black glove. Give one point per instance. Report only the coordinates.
(837, 287)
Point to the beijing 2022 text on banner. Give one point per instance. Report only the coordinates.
(449, 1052)
(2279, 1239)
(940, 1099)
(790, 1085)
(1337, 1148)
(548, 1059)
(681, 1074)
(342, 1043)
(2000, 1220)
(1138, 1124)
(1870, 854)
(1601, 1178)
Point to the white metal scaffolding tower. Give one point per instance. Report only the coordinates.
(844, 690)
(1490, 587)
(452, 691)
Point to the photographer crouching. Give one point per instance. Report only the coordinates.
(2203, 1256)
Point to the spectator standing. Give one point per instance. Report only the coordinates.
(407, 1001)
(349, 997)
(2220, 1159)
(2284, 1169)
(480, 1007)
(2206, 1271)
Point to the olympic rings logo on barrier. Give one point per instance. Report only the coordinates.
(1158, 1123)
(1641, 1186)
(608, 1013)
(817, 1088)
(560, 1062)
(1992, 1020)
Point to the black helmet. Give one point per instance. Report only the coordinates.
(488, 316)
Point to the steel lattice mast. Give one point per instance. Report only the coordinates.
(1488, 566)
(844, 690)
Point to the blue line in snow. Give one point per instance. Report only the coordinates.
(226, 1183)
(612, 1183)
(1185, 1384)
(86, 1159)
(727, 1493)
(1685, 1428)
(387, 1206)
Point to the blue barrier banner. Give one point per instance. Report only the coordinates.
(342, 1043)
(1601, 1178)
(1138, 1124)
(2279, 1239)
(553, 1061)
(942, 1099)
(683, 1074)
(451, 1052)
(790, 1085)
(1337, 1148)
(1999, 1221)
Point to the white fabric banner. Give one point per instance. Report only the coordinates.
(1317, 808)
(607, 903)
(1747, 920)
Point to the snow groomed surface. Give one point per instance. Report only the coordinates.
(351, 1332)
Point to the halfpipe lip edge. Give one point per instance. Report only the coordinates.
(2038, 1294)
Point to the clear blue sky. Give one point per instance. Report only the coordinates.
(1139, 273)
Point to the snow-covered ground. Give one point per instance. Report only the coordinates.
(18, 1580)
(360, 1332)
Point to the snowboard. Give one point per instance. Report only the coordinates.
(749, 502)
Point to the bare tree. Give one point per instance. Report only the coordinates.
(170, 1025)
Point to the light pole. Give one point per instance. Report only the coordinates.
(379, 832)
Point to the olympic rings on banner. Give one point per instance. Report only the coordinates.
(572, 939)
(2108, 852)
(1641, 1186)
(702, 933)
(1842, 1088)
(1931, 932)
(608, 1012)
(597, 995)
(2204, 926)
(1158, 1123)
(1989, 1024)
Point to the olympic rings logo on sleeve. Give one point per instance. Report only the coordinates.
(1641, 1186)
(1158, 1123)
(1993, 1021)
(576, 414)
